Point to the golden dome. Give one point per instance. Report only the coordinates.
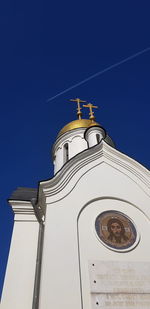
(79, 123)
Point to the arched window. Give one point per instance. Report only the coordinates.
(54, 159)
(66, 153)
(98, 138)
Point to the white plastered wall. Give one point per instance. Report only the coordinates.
(70, 241)
(76, 144)
(20, 274)
(91, 249)
(94, 135)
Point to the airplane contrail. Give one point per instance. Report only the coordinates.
(99, 73)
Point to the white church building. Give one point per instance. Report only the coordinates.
(81, 241)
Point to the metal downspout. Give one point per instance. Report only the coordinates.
(35, 304)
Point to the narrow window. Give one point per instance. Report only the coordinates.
(66, 153)
(98, 138)
(54, 159)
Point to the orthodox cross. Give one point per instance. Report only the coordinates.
(78, 101)
(91, 113)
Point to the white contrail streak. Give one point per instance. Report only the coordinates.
(100, 73)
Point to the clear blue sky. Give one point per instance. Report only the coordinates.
(47, 47)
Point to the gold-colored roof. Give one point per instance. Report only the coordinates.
(79, 123)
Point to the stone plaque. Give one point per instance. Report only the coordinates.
(116, 231)
(119, 277)
(120, 285)
(121, 301)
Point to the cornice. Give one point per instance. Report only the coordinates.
(26, 211)
(57, 187)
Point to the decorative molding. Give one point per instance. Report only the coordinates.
(89, 158)
(26, 211)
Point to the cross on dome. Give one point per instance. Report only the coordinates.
(78, 101)
(80, 122)
(91, 113)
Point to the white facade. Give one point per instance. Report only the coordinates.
(78, 268)
(100, 179)
(20, 275)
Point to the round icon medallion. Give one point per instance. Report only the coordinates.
(116, 230)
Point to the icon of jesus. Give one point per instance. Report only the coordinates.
(116, 231)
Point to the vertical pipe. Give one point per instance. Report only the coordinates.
(35, 304)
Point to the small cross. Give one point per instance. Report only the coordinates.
(78, 101)
(91, 113)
